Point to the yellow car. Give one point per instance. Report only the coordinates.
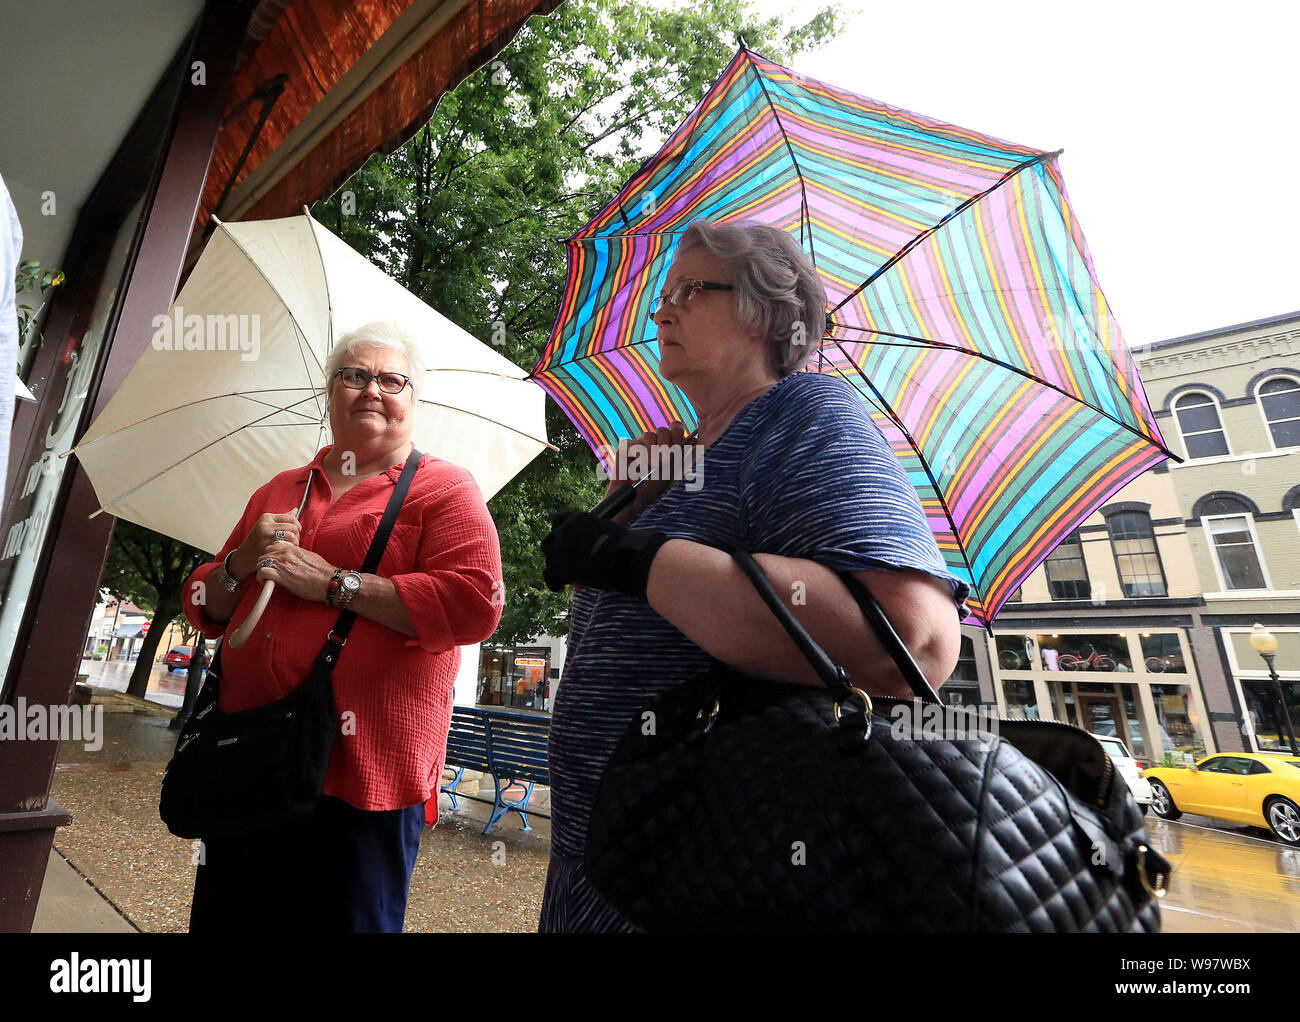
(1240, 787)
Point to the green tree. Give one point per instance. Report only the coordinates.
(470, 213)
(148, 569)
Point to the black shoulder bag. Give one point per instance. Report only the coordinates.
(737, 804)
(233, 773)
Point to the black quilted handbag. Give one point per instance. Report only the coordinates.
(734, 803)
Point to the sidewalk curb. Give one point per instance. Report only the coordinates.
(96, 695)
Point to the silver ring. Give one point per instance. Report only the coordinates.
(279, 534)
(269, 563)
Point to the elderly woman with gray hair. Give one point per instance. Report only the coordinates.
(791, 466)
(438, 586)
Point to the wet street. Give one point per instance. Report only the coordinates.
(1227, 879)
(164, 689)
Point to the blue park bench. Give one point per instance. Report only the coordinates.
(509, 746)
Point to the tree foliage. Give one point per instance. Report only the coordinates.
(471, 212)
(148, 569)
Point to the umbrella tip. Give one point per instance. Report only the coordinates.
(306, 212)
(216, 220)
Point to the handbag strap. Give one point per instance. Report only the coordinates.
(833, 676)
(338, 635)
(346, 619)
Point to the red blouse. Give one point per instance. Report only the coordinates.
(393, 691)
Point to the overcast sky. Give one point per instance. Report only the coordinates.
(1178, 121)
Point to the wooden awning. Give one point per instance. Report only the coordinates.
(357, 77)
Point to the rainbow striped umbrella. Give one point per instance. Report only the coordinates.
(965, 309)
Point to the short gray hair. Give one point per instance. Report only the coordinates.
(382, 335)
(778, 291)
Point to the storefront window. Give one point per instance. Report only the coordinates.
(1022, 703)
(38, 482)
(515, 678)
(962, 686)
(1015, 652)
(1180, 732)
(1162, 652)
(1105, 652)
(1264, 707)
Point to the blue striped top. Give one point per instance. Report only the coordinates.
(802, 472)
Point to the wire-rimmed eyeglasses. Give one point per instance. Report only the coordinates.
(356, 378)
(684, 291)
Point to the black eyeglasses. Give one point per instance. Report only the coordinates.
(355, 378)
(683, 292)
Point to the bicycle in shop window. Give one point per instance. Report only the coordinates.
(1094, 661)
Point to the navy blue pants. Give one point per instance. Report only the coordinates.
(343, 870)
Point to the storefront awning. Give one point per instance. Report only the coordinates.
(359, 77)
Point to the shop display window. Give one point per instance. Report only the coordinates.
(1268, 719)
(1162, 653)
(1022, 703)
(1105, 652)
(1180, 732)
(1015, 652)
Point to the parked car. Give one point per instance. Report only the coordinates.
(1130, 769)
(178, 658)
(1241, 787)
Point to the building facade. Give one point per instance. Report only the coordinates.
(1228, 400)
(1103, 634)
(1138, 624)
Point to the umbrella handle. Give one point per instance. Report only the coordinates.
(241, 634)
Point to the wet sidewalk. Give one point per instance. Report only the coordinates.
(116, 868)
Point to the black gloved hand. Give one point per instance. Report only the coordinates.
(586, 550)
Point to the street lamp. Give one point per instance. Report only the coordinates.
(1264, 643)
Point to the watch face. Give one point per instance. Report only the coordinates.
(352, 582)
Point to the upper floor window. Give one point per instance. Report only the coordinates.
(1280, 399)
(1067, 575)
(1198, 419)
(1236, 552)
(1136, 556)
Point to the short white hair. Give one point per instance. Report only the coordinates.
(778, 290)
(377, 335)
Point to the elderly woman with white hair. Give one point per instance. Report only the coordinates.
(790, 465)
(438, 586)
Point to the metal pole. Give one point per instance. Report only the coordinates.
(1286, 711)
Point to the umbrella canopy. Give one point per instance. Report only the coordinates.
(964, 307)
(230, 392)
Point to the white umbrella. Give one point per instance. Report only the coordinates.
(230, 393)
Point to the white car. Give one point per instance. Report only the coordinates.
(1128, 768)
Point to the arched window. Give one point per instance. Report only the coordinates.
(1136, 557)
(1280, 399)
(1229, 525)
(1198, 419)
(1067, 575)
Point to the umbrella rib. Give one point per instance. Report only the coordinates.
(329, 304)
(299, 338)
(121, 496)
(925, 466)
(947, 217)
(594, 354)
(923, 342)
(292, 318)
(495, 422)
(189, 404)
(804, 217)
